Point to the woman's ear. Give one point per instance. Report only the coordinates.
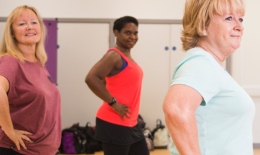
(116, 33)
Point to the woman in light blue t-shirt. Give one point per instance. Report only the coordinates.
(206, 111)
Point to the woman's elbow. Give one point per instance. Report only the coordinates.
(88, 79)
(169, 109)
(174, 112)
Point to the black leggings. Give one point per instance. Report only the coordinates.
(5, 151)
(137, 148)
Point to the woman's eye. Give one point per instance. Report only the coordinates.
(21, 24)
(229, 18)
(35, 22)
(241, 20)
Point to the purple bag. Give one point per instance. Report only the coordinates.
(72, 142)
(68, 143)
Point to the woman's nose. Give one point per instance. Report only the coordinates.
(29, 26)
(239, 26)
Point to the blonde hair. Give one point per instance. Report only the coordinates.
(197, 16)
(9, 46)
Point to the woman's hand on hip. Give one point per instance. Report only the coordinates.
(18, 137)
(121, 109)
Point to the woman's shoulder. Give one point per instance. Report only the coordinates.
(9, 65)
(199, 55)
(197, 58)
(198, 52)
(8, 59)
(114, 51)
(10, 62)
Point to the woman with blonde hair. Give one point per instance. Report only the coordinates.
(206, 111)
(30, 102)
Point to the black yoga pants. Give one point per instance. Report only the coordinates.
(138, 148)
(5, 151)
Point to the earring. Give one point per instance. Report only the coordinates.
(205, 33)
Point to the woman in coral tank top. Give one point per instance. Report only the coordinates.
(117, 80)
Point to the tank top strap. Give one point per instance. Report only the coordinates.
(119, 52)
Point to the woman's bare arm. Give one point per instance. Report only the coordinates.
(17, 136)
(179, 107)
(109, 65)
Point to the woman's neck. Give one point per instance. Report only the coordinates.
(124, 50)
(28, 52)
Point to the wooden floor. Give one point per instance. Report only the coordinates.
(164, 152)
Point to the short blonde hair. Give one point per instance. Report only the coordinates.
(9, 46)
(197, 16)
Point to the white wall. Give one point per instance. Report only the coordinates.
(142, 9)
(245, 61)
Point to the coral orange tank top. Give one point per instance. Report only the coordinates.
(126, 88)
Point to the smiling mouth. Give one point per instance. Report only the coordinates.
(132, 42)
(236, 35)
(31, 34)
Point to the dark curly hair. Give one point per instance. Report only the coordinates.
(120, 22)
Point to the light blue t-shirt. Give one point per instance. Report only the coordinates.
(225, 116)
